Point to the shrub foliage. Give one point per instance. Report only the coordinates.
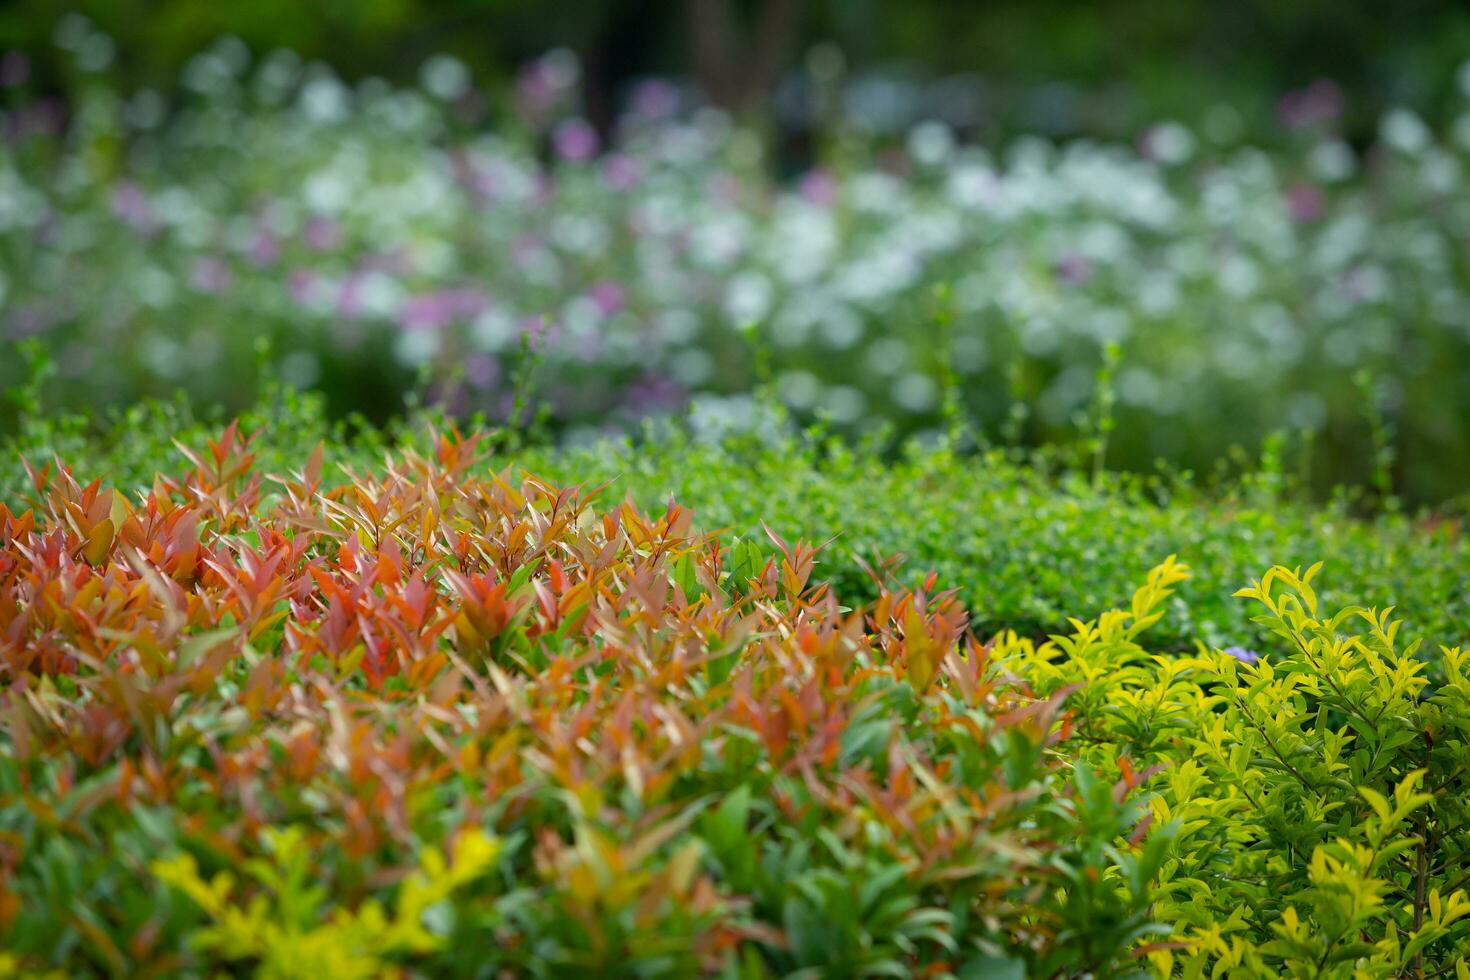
(1318, 787)
(466, 724)
(436, 717)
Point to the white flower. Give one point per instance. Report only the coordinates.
(1171, 142)
(445, 77)
(748, 298)
(1332, 160)
(930, 143)
(1404, 131)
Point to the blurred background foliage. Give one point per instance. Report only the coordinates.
(1263, 205)
(1094, 68)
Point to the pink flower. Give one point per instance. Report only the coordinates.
(575, 140)
(655, 393)
(819, 187)
(482, 370)
(349, 297)
(15, 68)
(1319, 103)
(265, 247)
(539, 331)
(211, 275)
(724, 187)
(621, 171)
(536, 90)
(1073, 269)
(131, 206)
(655, 99)
(301, 286)
(608, 296)
(322, 233)
(433, 311)
(1304, 202)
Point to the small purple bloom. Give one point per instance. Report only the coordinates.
(301, 285)
(322, 233)
(621, 172)
(819, 187)
(265, 248)
(30, 320)
(349, 297)
(211, 275)
(1073, 269)
(539, 330)
(724, 187)
(481, 184)
(537, 90)
(1245, 656)
(575, 140)
(1319, 103)
(608, 296)
(432, 311)
(1304, 202)
(482, 370)
(654, 393)
(527, 249)
(131, 206)
(15, 68)
(655, 99)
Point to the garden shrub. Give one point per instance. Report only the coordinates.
(1026, 544)
(444, 719)
(1317, 787)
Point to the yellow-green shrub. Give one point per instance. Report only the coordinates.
(1318, 795)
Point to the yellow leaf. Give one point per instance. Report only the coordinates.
(99, 542)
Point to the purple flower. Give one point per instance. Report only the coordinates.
(655, 99)
(30, 320)
(301, 285)
(349, 297)
(1245, 656)
(723, 187)
(432, 311)
(539, 330)
(575, 140)
(537, 89)
(819, 187)
(322, 233)
(1304, 202)
(1318, 103)
(15, 68)
(1073, 269)
(608, 296)
(482, 370)
(131, 206)
(481, 185)
(621, 172)
(654, 393)
(527, 249)
(211, 275)
(265, 248)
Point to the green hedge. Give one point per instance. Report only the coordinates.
(1027, 544)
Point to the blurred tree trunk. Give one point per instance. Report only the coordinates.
(734, 68)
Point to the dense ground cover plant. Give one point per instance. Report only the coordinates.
(1318, 783)
(441, 718)
(372, 233)
(1027, 544)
